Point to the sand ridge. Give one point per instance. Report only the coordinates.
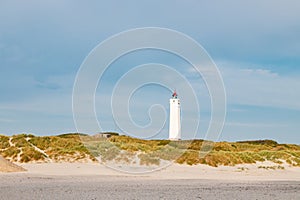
(6, 166)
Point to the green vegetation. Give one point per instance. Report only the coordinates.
(11, 152)
(29, 148)
(29, 154)
(21, 140)
(4, 142)
(146, 159)
(73, 147)
(223, 153)
(242, 169)
(271, 167)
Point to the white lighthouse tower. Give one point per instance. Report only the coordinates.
(174, 126)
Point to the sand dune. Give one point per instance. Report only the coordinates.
(6, 166)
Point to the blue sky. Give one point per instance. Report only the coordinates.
(255, 44)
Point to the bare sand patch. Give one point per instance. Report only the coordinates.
(6, 166)
(174, 171)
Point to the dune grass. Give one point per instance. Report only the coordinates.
(223, 153)
(75, 146)
(11, 153)
(4, 142)
(67, 147)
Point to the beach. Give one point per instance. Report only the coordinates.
(95, 181)
(174, 171)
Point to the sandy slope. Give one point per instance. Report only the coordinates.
(6, 166)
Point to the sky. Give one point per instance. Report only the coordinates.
(255, 45)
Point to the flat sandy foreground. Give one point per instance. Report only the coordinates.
(95, 181)
(174, 171)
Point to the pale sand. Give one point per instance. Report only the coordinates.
(175, 171)
(95, 181)
(6, 166)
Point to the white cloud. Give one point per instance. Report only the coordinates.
(253, 125)
(262, 72)
(260, 87)
(247, 84)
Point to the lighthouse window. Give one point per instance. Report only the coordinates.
(173, 100)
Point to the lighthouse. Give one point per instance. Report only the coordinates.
(174, 126)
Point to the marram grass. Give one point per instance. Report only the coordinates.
(80, 147)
